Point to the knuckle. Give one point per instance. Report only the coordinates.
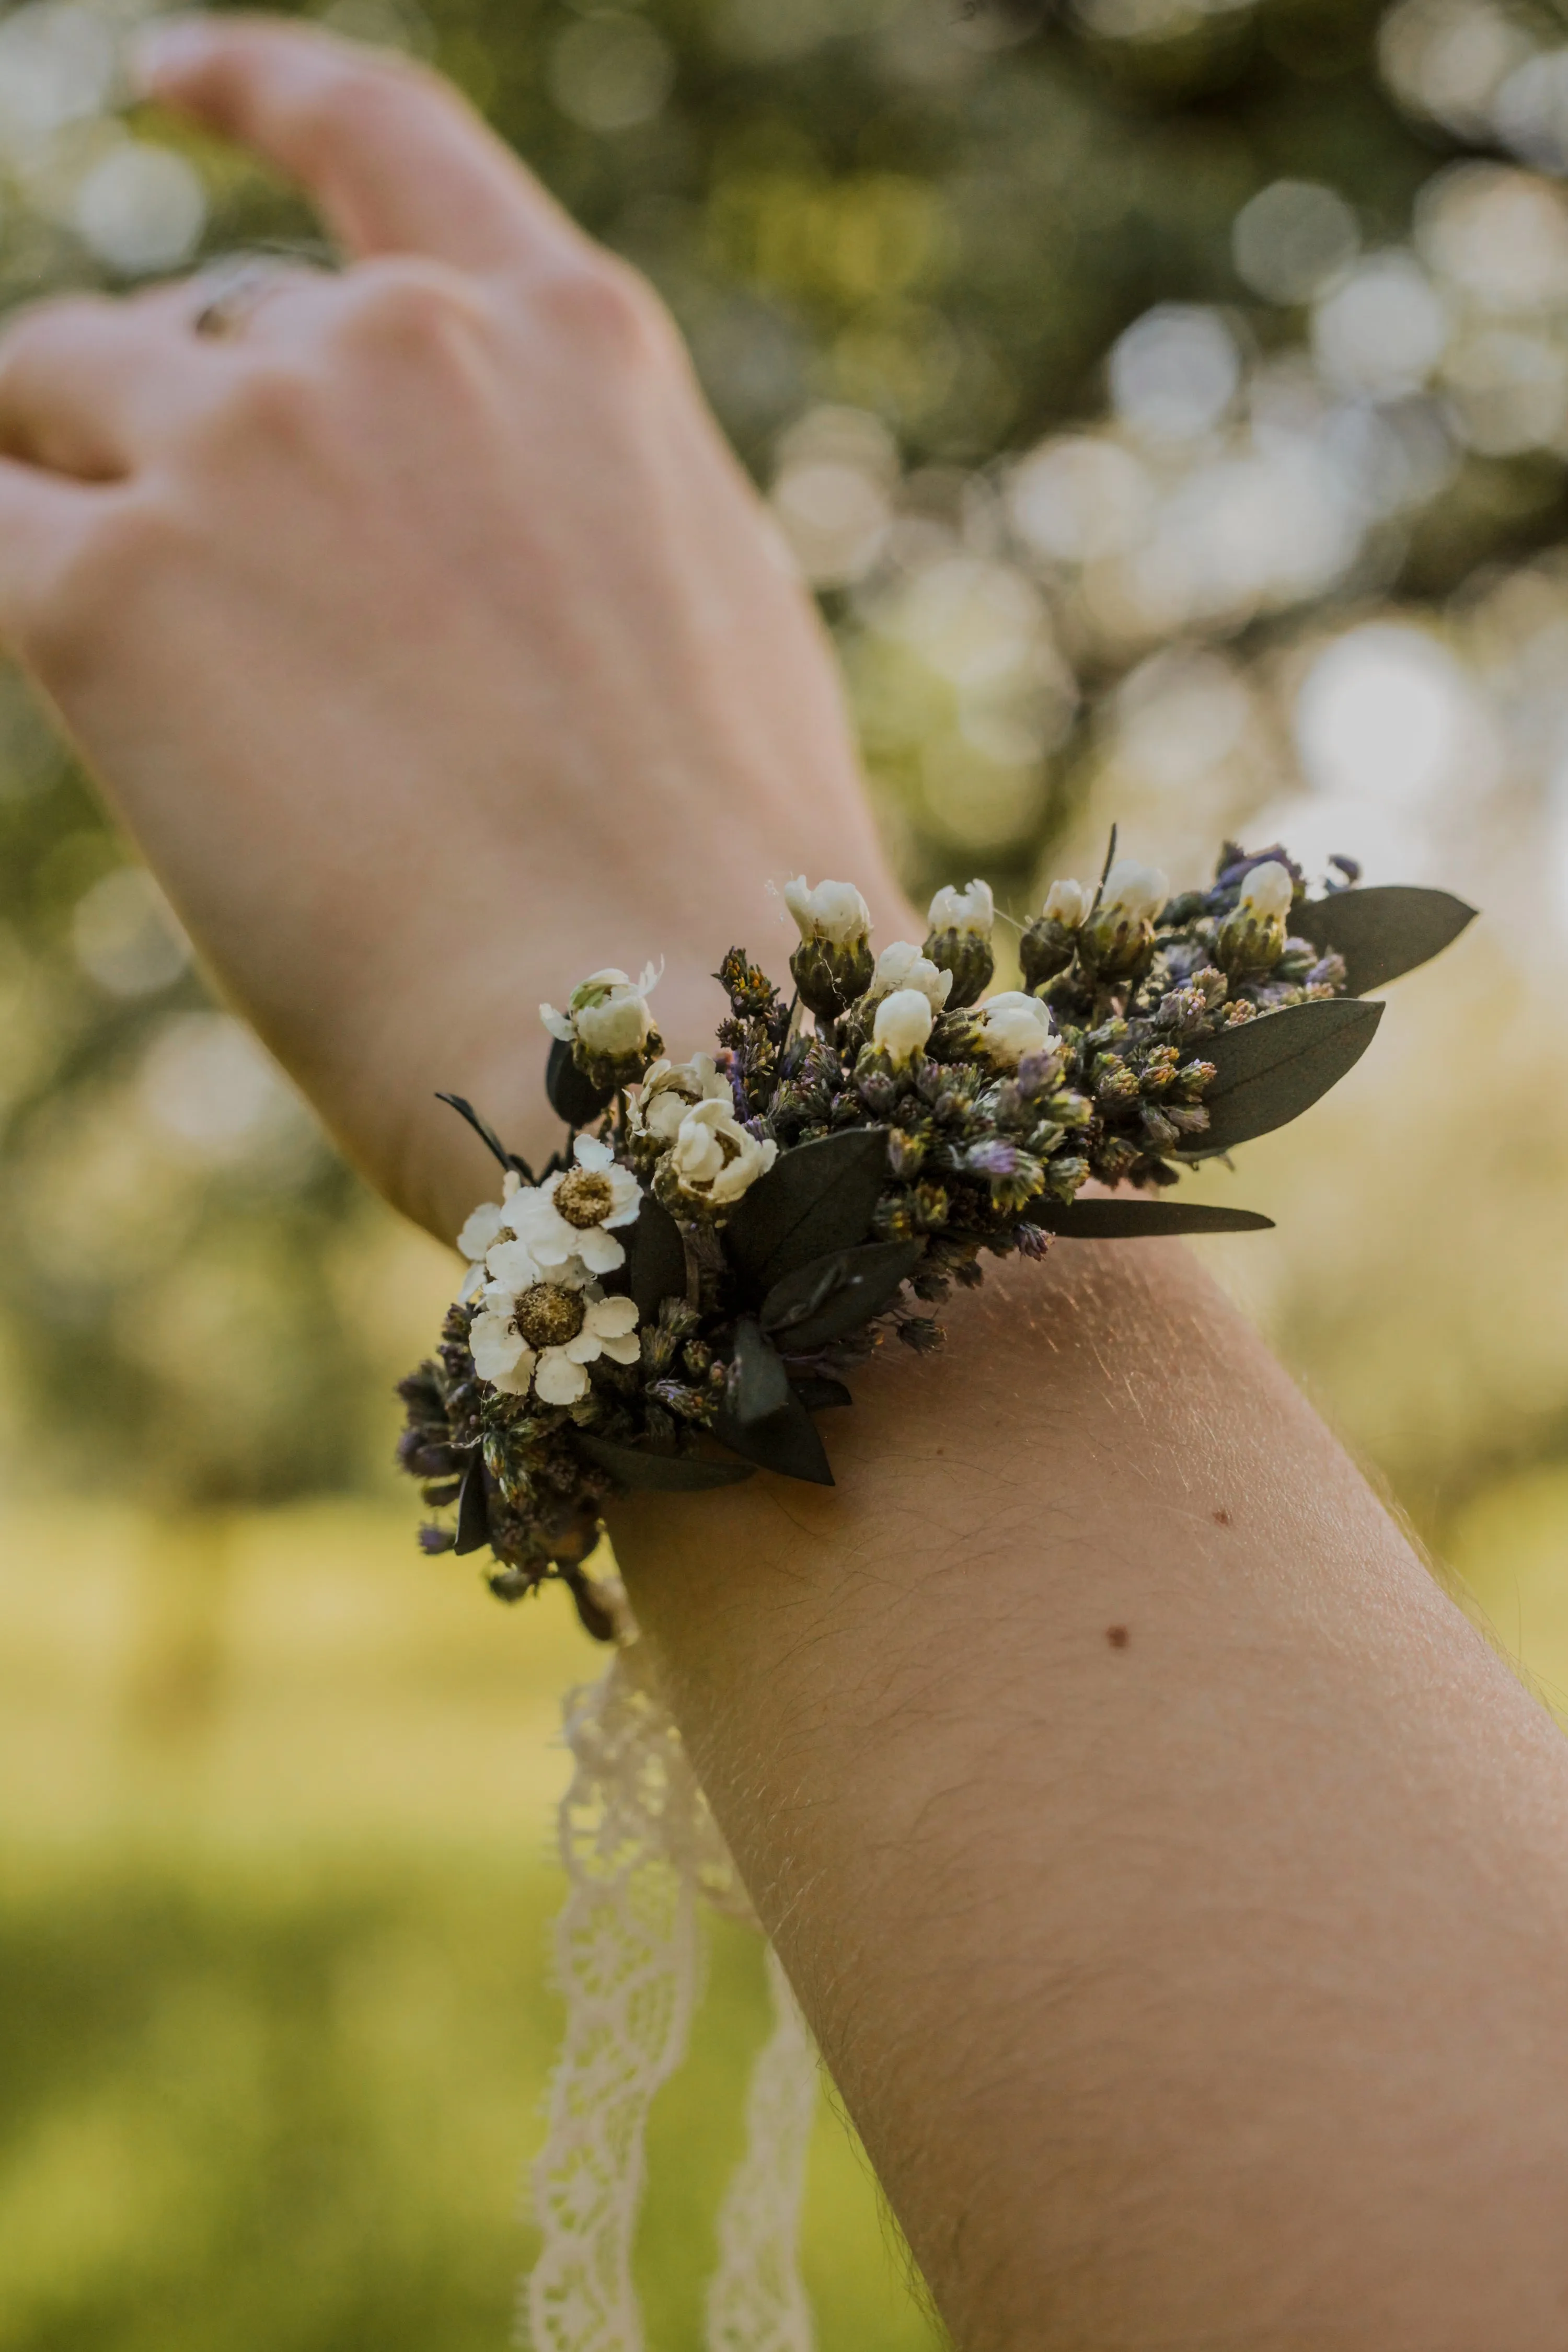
(276, 399)
(421, 306)
(604, 307)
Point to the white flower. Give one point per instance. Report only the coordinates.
(834, 911)
(608, 1013)
(904, 966)
(1267, 891)
(609, 1328)
(714, 1159)
(1068, 903)
(904, 1021)
(964, 910)
(1136, 891)
(487, 1223)
(569, 1215)
(1014, 1025)
(498, 1346)
(671, 1089)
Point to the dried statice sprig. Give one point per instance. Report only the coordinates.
(684, 1287)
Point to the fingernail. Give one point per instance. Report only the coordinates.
(161, 50)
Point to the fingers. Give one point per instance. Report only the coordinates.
(88, 386)
(42, 523)
(394, 158)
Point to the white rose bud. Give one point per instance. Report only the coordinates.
(1252, 935)
(672, 1088)
(1068, 903)
(832, 965)
(1267, 891)
(712, 1159)
(834, 911)
(959, 939)
(607, 1024)
(904, 1021)
(973, 909)
(904, 966)
(1012, 1026)
(1117, 937)
(1136, 891)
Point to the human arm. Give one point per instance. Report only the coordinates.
(433, 652)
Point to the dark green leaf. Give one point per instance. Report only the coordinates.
(666, 1473)
(788, 1443)
(834, 1295)
(1271, 1069)
(573, 1097)
(1381, 932)
(656, 1258)
(814, 1200)
(819, 1395)
(761, 1383)
(1094, 1221)
(473, 1510)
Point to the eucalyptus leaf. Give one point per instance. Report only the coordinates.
(656, 1258)
(665, 1474)
(814, 1200)
(822, 1300)
(573, 1097)
(788, 1443)
(818, 1393)
(761, 1388)
(473, 1509)
(1382, 931)
(1269, 1070)
(1095, 1221)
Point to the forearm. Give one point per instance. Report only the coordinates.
(1197, 1988)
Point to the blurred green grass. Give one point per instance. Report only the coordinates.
(275, 2012)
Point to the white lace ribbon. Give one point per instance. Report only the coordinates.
(639, 1846)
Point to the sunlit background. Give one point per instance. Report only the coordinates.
(1169, 401)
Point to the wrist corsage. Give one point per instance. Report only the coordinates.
(680, 1291)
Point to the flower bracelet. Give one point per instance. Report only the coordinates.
(680, 1291)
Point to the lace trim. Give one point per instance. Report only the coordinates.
(639, 1846)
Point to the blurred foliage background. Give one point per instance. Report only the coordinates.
(1169, 401)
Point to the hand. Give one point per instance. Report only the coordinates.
(421, 628)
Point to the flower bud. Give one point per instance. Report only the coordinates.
(713, 1161)
(1012, 1026)
(1050, 942)
(904, 966)
(1252, 937)
(608, 1027)
(904, 1022)
(959, 939)
(1117, 936)
(832, 964)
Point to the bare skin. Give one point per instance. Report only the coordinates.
(1177, 1886)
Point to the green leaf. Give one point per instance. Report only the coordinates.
(473, 1509)
(761, 1383)
(822, 1300)
(656, 1258)
(573, 1097)
(814, 1200)
(1381, 932)
(1270, 1070)
(788, 1443)
(1095, 1221)
(665, 1474)
(819, 1395)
